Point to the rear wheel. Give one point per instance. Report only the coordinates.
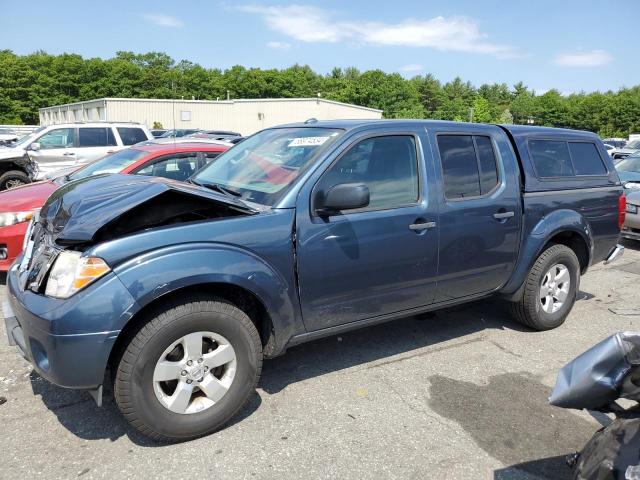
(12, 179)
(189, 369)
(550, 289)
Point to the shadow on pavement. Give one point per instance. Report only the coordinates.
(382, 341)
(630, 244)
(511, 419)
(78, 413)
(552, 467)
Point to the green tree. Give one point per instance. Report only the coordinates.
(29, 82)
(482, 110)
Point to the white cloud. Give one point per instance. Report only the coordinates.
(312, 24)
(413, 67)
(279, 45)
(162, 20)
(594, 58)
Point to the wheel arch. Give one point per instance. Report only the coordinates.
(244, 299)
(566, 227)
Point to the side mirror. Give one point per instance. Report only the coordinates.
(35, 146)
(345, 196)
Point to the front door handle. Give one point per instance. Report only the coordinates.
(503, 215)
(68, 154)
(422, 226)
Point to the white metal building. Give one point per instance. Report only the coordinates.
(244, 116)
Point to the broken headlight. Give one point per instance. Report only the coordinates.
(72, 272)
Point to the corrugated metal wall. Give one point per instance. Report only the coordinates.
(244, 116)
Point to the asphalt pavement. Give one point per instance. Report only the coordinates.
(460, 393)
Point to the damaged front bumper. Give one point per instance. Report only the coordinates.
(68, 342)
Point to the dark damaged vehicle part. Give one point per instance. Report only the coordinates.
(297, 233)
(595, 380)
(600, 375)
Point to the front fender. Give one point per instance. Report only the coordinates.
(159, 272)
(545, 229)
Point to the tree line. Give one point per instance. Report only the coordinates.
(28, 82)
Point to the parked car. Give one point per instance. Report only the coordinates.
(17, 206)
(297, 233)
(616, 142)
(226, 137)
(180, 132)
(71, 144)
(7, 136)
(187, 139)
(631, 227)
(610, 149)
(158, 132)
(629, 172)
(629, 149)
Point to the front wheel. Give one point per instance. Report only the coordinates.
(12, 179)
(550, 289)
(189, 369)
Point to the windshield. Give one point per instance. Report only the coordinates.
(635, 144)
(262, 167)
(113, 163)
(29, 137)
(629, 164)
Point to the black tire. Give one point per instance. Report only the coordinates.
(11, 178)
(528, 310)
(134, 386)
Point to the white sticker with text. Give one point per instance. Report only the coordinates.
(307, 141)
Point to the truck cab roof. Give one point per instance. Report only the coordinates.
(519, 138)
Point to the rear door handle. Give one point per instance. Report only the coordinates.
(503, 215)
(422, 226)
(68, 154)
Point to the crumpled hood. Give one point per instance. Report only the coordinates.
(77, 211)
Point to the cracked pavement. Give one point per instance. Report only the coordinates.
(458, 393)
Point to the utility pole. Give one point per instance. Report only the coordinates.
(470, 114)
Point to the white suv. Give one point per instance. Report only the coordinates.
(56, 147)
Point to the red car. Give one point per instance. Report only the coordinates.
(176, 161)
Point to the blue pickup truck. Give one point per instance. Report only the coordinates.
(301, 231)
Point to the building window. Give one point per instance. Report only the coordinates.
(185, 115)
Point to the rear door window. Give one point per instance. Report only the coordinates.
(469, 165)
(459, 166)
(586, 159)
(487, 163)
(95, 137)
(551, 158)
(131, 135)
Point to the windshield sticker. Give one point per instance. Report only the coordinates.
(307, 141)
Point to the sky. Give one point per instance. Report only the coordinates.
(569, 45)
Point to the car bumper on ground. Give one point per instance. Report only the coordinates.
(614, 254)
(11, 239)
(68, 342)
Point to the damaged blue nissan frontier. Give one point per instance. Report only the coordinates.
(179, 290)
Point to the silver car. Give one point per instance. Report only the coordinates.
(56, 147)
(631, 227)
